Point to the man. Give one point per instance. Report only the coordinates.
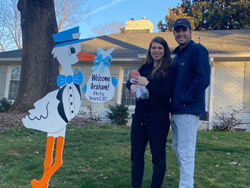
(188, 103)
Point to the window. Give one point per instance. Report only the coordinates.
(205, 117)
(246, 108)
(15, 79)
(77, 69)
(14, 82)
(127, 97)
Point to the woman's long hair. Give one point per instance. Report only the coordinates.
(165, 64)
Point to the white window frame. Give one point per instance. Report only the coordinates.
(246, 99)
(8, 80)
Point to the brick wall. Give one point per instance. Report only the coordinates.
(228, 90)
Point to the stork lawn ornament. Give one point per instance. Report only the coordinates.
(52, 113)
(100, 87)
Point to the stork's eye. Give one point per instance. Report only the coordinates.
(72, 50)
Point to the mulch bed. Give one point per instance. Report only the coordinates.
(11, 121)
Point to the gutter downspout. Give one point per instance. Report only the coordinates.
(211, 94)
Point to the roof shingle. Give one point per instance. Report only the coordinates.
(129, 45)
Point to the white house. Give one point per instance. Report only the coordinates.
(229, 54)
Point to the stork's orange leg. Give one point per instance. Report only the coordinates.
(48, 157)
(49, 153)
(43, 183)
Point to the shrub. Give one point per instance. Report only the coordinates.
(118, 114)
(85, 118)
(5, 105)
(227, 121)
(90, 115)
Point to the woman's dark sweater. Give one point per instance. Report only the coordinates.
(157, 107)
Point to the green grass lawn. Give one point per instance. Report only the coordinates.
(98, 156)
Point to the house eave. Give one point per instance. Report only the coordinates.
(244, 56)
(11, 59)
(126, 59)
(233, 55)
(141, 57)
(230, 56)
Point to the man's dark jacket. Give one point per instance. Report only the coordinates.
(192, 78)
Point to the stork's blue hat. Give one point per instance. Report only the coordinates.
(67, 37)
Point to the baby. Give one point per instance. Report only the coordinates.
(141, 92)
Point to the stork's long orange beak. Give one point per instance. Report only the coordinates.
(83, 56)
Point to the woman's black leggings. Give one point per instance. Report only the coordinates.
(156, 133)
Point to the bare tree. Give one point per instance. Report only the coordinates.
(4, 42)
(114, 27)
(10, 23)
(99, 30)
(68, 13)
(108, 28)
(39, 69)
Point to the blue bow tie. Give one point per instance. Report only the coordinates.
(63, 80)
(98, 59)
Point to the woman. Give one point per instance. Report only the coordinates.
(151, 118)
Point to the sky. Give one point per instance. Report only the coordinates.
(107, 11)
